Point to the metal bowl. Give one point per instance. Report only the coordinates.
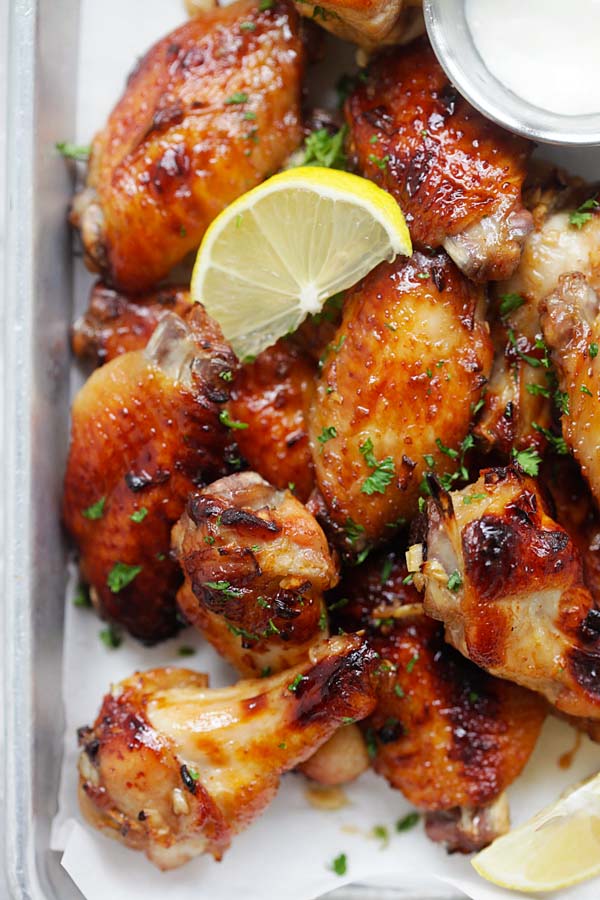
(455, 48)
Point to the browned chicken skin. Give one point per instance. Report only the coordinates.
(369, 23)
(519, 399)
(175, 769)
(396, 392)
(448, 735)
(456, 175)
(210, 111)
(272, 396)
(506, 580)
(145, 432)
(114, 323)
(256, 564)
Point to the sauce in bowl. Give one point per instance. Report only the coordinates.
(546, 51)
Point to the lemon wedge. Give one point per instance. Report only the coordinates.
(557, 848)
(277, 253)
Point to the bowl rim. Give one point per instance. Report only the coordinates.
(504, 114)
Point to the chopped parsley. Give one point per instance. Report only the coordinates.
(448, 451)
(555, 442)
(561, 398)
(264, 604)
(584, 389)
(82, 597)
(110, 637)
(266, 672)
(266, 4)
(381, 833)
(412, 662)
(593, 350)
(383, 470)
(380, 163)
(295, 684)
(529, 460)
(226, 420)
(340, 864)
(227, 375)
(79, 152)
(537, 390)
(399, 692)
(407, 822)
(327, 434)
(469, 498)
(371, 742)
(473, 696)
(509, 303)
(323, 620)
(343, 601)
(353, 530)
(324, 149)
(348, 720)
(224, 587)
(530, 360)
(241, 632)
(583, 213)
(454, 581)
(271, 629)
(209, 539)
(386, 569)
(247, 26)
(186, 650)
(238, 97)
(139, 515)
(96, 510)
(121, 575)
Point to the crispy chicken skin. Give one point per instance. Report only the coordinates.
(571, 327)
(256, 564)
(369, 23)
(180, 146)
(175, 769)
(506, 580)
(115, 323)
(407, 363)
(272, 396)
(457, 176)
(520, 392)
(145, 432)
(448, 735)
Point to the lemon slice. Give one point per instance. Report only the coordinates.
(280, 251)
(559, 847)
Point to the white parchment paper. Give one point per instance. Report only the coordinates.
(287, 852)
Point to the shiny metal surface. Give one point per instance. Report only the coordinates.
(454, 46)
(36, 313)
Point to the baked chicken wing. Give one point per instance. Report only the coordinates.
(396, 392)
(256, 565)
(456, 175)
(370, 23)
(519, 399)
(145, 432)
(571, 324)
(209, 112)
(448, 735)
(506, 580)
(175, 769)
(115, 323)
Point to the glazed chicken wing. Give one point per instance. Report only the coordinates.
(448, 735)
(370, 23)
(522, 385)
(175, 769)
(256, 564)
(272, 396)
(210, 111)
(394, 398)
(506, 580)
(115, 323)
(145, 432)
(456, 175)
(571, 324)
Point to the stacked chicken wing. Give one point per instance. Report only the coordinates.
(447, 403)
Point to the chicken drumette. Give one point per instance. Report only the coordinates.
(175, 769)
(396, 392)
(145, 432)
(456, 175)
(448, 735)
(507, 582)
(210, 111)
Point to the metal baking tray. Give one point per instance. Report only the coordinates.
(36, 314)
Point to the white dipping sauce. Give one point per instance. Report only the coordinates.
(545, 51)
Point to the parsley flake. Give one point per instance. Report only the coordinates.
(238, 97)
(78, 152)
(529, 460)
(454, 581)
(583, 213)
(409, 821)
(226, 420)
(328, 433)
(295, 684)
(324, 149)
(110, 637)
(509, 303)
(186, 650)
(139, 515)
(121, 575)
(593, 350)
(96, 510)
(340, 864)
